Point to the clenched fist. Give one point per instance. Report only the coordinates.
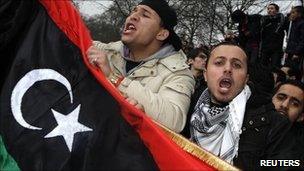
(99, 59)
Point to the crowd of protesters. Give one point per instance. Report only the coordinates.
(262, 38)
(244, 98)
(275, 74)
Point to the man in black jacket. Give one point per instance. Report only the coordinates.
(231, 119)
(295, 45)
(288, 99)
(272, 36)
(249, 33)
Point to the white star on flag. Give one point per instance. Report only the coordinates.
(67, 126)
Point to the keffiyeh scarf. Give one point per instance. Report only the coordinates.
(218, 128)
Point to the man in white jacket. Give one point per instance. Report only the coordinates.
(147, 65)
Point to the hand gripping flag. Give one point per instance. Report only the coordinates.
(56, 115)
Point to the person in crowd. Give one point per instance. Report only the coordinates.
(197, 61)
(288, 99)
(249, 33)
(197, 58)
(231, 119)
(295, 44)
(272, 36)
(153, 71)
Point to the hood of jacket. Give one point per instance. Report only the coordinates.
(165, 51)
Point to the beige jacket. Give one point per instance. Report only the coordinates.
(162, 85)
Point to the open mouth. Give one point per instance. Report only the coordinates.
(225, 83)
(129, 28)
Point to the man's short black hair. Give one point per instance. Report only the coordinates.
(295, 83)
(294, 72)
(225, 43)
(195, 53)
(275, 6)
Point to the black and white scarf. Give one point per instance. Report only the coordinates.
(218, 128)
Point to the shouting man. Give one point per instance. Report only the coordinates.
(231, 119)
(153, 71)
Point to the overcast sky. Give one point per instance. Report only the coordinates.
(92, 7)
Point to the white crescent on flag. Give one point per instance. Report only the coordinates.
(25, 83)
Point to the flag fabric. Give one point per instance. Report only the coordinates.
(6, 161)
(59, 113)
(10, 30)
(53, 114)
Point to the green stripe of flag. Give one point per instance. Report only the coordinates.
(7, 163)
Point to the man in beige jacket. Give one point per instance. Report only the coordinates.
(148, 60)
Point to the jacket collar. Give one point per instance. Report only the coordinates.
(165, 51)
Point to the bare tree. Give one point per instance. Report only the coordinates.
(200, 21)
(125, 6)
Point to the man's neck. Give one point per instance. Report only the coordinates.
(140, 53)
(196, 73)
(217, 103)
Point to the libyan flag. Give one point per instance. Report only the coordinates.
(59, 113)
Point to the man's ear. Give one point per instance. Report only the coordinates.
(247, 78)
(163, 34)
(205, 76)
(190, 61)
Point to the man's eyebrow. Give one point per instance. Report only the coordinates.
(237, 59)
(145, 10)
(281, 94)
(233, 59)
(221, 57)
(295, 99)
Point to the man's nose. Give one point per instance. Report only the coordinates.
(284, 104)
(227, 68)
(134, 16)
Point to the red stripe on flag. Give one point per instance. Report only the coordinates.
(166, 153)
